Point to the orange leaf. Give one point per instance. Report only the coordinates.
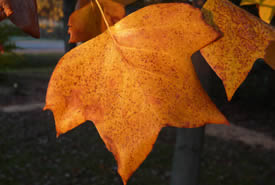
(113, 11)
(23, 13)
(266, 8)
(245, 39)
(81, 3)
(5, 9)
(135, 81)
(87, 22)
(125, 2)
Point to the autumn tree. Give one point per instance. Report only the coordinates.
(50, 9)
(56, 10)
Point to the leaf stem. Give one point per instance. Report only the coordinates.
(104, 18)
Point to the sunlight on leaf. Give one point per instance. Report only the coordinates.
(245, 39)
(5, 9)
(266, 8)
(134, 86)
(86, 22)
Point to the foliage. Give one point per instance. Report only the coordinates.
(11, 62)
(137, 77)
(6, 32)
(245, 39)
(266, 8)
(27, 20)
(138, 81)
(140, 77)
(5, 9)
(50, 9)
(87, 22)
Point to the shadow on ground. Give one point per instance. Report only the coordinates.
(31, 154)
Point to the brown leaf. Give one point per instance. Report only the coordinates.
(135, 82)
(87, 22)
(125, 2)
(23, 13)
(113, 11)
(270, 55)
(81, 3)
(245, 39)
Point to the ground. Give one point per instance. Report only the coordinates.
(31, 154)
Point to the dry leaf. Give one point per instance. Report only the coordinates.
(82, 3)
(135, 82)
(23, 13)
(266, 8)
(5, 9)
(113, 11)
(245, 39)
(87, 22)
(125, 2)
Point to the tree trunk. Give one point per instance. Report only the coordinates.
(186, 162)
(189, 144)
(68, 8)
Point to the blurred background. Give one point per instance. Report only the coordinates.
(30, 153)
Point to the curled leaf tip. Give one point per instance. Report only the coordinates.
(45, 108)
(57, 135)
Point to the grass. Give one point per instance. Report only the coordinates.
(28, 62)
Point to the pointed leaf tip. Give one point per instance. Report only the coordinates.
(134, 87)
(266, 8)
(245, 39)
